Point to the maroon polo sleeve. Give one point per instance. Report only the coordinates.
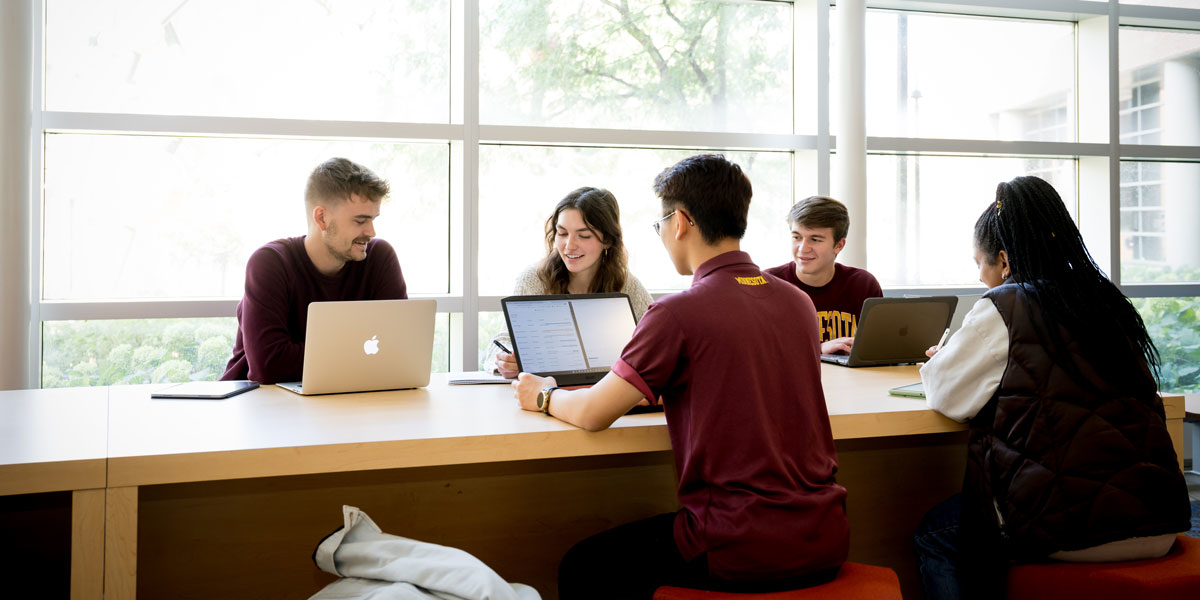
(271, 356)
(387, 280)
(649, 361)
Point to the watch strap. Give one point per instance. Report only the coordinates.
(544, 399)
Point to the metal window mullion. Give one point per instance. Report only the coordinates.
(470, 284)
(34, 195)
(68, 310)
(1114, 144)
(149, 124)
(824, 139)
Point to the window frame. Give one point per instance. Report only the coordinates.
(1098, 176)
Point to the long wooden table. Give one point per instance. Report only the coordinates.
(228, 498)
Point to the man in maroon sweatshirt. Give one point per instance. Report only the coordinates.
(337, 260)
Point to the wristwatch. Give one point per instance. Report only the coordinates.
(543, 399)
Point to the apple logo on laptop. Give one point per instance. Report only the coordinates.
(371, 346)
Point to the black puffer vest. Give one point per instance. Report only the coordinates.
(1065, 457)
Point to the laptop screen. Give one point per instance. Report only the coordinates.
(565, 335)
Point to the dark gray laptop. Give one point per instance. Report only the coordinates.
(893, 331)
(574, 338)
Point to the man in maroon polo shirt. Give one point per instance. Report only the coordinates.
(735, 361)
(819, 226)
(337, 260)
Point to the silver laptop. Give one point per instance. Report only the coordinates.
(366, 345)
(574, 338)
(893, 331)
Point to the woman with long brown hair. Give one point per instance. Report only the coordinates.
(585, 254)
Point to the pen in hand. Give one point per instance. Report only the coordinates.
(507, 351)
(941, 342)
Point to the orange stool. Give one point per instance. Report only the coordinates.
(853, 582)
(1175, 576)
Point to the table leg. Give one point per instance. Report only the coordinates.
(87, 544)
(120, 543)
(1194, 426)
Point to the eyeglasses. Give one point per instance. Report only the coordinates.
(657, 225)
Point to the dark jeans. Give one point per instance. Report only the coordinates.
(633, 560)
(953, 566)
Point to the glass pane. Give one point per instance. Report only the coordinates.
(441, 343)
(915, 88)
(369, 61)
(519, 186)
(1153, 249)
(673, 64)
(1160, 78)
(185, 222)
(921, 212)
(1131, 221)
(87, 353)
(1174, 212)
(1172, 325)
(129, 351)
(1149, 93)
(490, 323)
(1150, 118)
(1151, 195)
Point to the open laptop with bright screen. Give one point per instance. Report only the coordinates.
(574, 338)
(366, 345)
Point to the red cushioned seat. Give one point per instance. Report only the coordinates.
(854, 582)
(1175, 576)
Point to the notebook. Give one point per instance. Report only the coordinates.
(366, 345)
(205, 390)
(912, 390)
(574, 338)
(894, 331)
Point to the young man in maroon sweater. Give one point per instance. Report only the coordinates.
(735, 361)
(819, 226)
(337, 260)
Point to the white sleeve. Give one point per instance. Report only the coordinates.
(961, 378)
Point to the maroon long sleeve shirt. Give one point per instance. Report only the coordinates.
(281, 281)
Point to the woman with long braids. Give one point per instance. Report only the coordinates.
(1068, 454)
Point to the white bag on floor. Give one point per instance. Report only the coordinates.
(378, 566)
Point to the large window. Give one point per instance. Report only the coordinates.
(921, 210)
(356, 61)
(136, 216)
(175, 138)
(695, 65)
(961, 77)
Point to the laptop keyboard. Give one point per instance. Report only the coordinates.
(840, 359)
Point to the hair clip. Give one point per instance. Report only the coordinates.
(999, 206)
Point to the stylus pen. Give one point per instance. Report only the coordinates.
(507, 351)
(935, 348)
